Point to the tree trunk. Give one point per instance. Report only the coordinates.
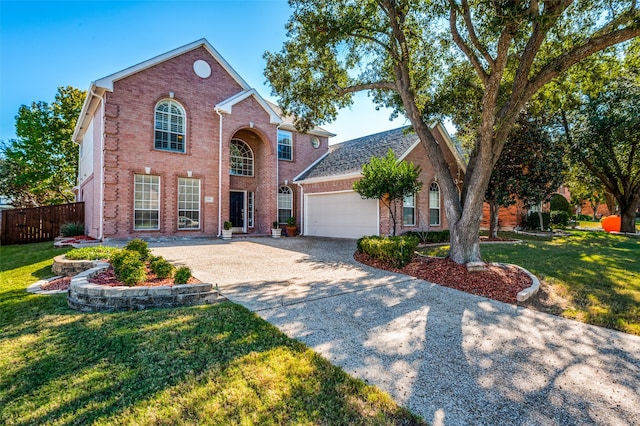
(493, 218)
(465, 243)
(595, 210)
(540, 217)
(628, 215)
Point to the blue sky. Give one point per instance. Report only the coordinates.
(47, 44)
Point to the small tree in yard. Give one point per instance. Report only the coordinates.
(388, 180)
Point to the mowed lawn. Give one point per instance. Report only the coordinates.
(593, 277)
(216, 364)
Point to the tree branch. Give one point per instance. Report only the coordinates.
(383, 85)
(457, 38)
(474, 38)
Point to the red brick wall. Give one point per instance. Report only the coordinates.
(129, 147)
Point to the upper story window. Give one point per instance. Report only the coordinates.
(285, 145)
(170, 126)
(241, 159)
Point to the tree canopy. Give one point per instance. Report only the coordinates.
(40, 166)
(407, 52)
(390, 181)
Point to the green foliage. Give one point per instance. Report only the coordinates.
(275, 225)
(128, 267)
(430, 237)
(72, 229)
(388, 180)
(395, 250)
(40, 167)
(291, 221)
(560, 203)
(182, 275)
(560, 218)
(139, 246)
(161, 267)
(227, 225)
(92, 253)
(533, 221)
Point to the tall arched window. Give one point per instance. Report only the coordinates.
(434, 204)
(170, 126)
(241, 159)
(285, 204)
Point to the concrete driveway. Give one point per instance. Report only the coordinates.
(453, 358)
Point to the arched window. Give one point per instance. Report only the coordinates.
(169, 126)
(434, 204)
(285, 204)
(241, 159)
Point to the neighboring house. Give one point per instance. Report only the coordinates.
(178, 144)
(331, 208)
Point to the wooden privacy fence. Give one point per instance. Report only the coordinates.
(33, 225)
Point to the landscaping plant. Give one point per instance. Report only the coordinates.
(128, 267)
(395, 250)
(92, 253)
(182, 275)
(72, 229)
(139, 246)
(161, 267)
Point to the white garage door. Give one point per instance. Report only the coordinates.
(340, 214)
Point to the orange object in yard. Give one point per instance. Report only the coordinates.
(611, 223)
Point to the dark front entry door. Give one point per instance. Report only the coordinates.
(236, 202)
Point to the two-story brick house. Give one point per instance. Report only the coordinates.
(180, 143)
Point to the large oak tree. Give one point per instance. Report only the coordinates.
(402, 52)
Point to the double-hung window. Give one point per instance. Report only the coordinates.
(409, 211)
(169, 126)
(434, 204)
(188, 203)
(285, 145)
(146, 204)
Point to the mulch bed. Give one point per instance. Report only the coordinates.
(498, 282)
(109, 279)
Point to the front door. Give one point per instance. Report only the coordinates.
(236, 203)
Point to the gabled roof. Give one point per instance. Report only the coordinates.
(289, 120)
(227, 105)
(345, 160)
(107, 82)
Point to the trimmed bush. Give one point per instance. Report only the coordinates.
(430, 237)
(182, 275)
(395, 250)
(560, 218)
(128, 267)
(161, 267)
(91, 253)
(559, 203)
(533, 222)
(139, 246)
(585, 217)
(72, 229)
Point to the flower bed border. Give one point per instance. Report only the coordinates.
(88, 297)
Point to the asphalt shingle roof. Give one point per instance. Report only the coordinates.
(348, 157)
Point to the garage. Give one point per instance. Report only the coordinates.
(340, 214)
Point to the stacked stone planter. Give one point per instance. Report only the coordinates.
(68, 268)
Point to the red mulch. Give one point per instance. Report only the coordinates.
(497, 282)
(108, 278)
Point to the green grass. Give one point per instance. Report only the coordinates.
(217, 364)
(595, 275)
(92, 253)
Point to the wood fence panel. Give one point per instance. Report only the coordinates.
(34, 225)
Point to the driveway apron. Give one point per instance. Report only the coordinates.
(452, 357)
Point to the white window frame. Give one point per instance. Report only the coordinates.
(184, 208)
(412, 206)
(251, 198)
(248, 162)
(283, 136)
(165, 126)
(282, 192)
(143, 185)
(434, 203)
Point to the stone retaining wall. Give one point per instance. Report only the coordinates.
(69, 268)
(87, 297)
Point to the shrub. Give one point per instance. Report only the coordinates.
(128, 267)
(533, 222)
(586, 217)
(395, 250)
(91, 253)
(182, 275)
(227, 225)
(559, 203)
(139, 246)
(427, 237)
(560, 218)
(161, 267)
(72, 229)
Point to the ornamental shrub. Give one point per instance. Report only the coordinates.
(182, 275)
(533, 222)
(395, 250)
(560, 218)
(559, 203)
(128, 267)
(91, 253)
(161, 267)
(72, 229)
(139, 246)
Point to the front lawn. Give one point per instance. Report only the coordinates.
(216, 364)
(593, 277)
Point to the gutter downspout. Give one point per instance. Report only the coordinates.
(277, 169)
(219, 175)
(102, 115)
(301, 208)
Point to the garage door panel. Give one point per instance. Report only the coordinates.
(342, 215)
